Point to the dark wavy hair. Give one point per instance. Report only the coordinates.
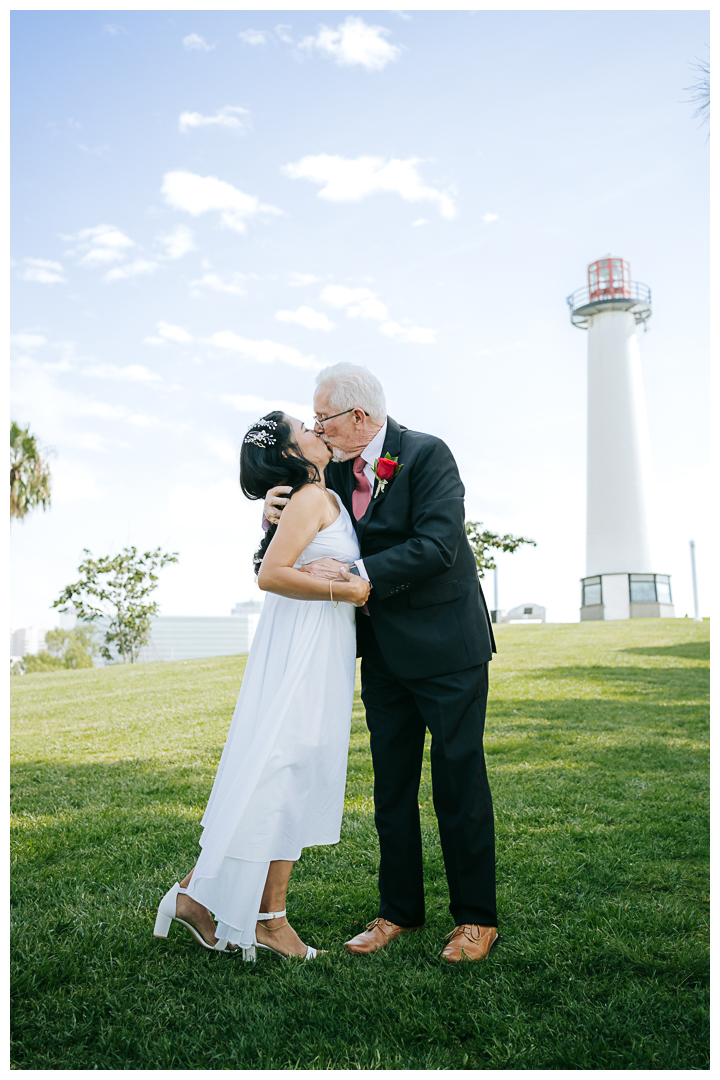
(265, 466)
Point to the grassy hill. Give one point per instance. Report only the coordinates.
(597, 747)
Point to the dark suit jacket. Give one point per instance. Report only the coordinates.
(426, 605)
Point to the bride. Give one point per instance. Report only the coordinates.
(280, 784)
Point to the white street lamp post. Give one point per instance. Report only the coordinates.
(698, 616)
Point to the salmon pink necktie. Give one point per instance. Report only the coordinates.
(362, 492)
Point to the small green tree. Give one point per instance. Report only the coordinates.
(29, 473)
(65, 649)
(74, 648)
(117, 590)
(483, 542)
(41, 661)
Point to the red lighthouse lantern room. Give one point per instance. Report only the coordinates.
(609, 279)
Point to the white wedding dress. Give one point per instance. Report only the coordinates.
(280, 784)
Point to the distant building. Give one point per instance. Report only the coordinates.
(188, 637)
(27, 640)
(524, 613)
(248, 607)
(172, 637)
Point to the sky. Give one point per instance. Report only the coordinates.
(209, 207)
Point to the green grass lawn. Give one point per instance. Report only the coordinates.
(597, 745)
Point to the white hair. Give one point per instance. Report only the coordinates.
(352, 386)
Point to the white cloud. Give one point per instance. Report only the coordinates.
(59, 365)
(222, 449)
(487, 218)
(118, 412)
(42, 272)
(178, 242)
(358, 303)
(73, 482)
(282, 32)
(418, 335)
(141, 420)
(420, 221)
(264, 352)
(306, 316)
(63, 415)
(130, 270)
(197, 195)
(100, 245)
(363, 303)
(194, 41)
(28, 341)
(302, 279)
(233, 117)
(168, 332)
(89, 440)
(104, 244)
(353, 179)
(253, 37)
(101, 409)
(232, 285)
(131, 373)
(195, 517)
(31, 341)
(174, 333)
(257, 406)
(96, 151)
(113, 29)
(354, 42)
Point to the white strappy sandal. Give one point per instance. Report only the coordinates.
(167, 914)
(265, 916)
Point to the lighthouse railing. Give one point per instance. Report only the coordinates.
(629, 290)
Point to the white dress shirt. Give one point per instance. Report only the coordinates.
(372, 451)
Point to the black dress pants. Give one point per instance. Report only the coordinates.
(398, 712)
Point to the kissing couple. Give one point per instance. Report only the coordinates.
(365, 553)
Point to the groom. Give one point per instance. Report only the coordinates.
(425, 650)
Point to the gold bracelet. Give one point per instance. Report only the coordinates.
(335, 604)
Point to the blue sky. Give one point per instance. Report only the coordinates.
(209, 206)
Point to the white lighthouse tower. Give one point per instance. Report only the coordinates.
(621, 580)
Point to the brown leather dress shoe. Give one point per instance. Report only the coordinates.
(376, 936)
(469, 942)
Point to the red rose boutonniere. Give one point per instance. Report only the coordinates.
(385, 468)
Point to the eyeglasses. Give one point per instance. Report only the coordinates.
(321, 422)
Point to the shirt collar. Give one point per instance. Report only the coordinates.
(374, 447)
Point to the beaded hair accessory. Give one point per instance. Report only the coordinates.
(258, 434)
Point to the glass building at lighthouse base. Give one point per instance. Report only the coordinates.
(627, 596)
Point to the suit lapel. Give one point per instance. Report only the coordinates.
(391, 445)
(339, 477)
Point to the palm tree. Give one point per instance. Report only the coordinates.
(700, 91)
(29, 473)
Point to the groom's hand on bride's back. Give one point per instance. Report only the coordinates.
(275, 500)
(330, 569)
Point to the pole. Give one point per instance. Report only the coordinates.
(496, 590)
(698, 617)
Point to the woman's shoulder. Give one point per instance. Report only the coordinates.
(309, 494)
(307, 500)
